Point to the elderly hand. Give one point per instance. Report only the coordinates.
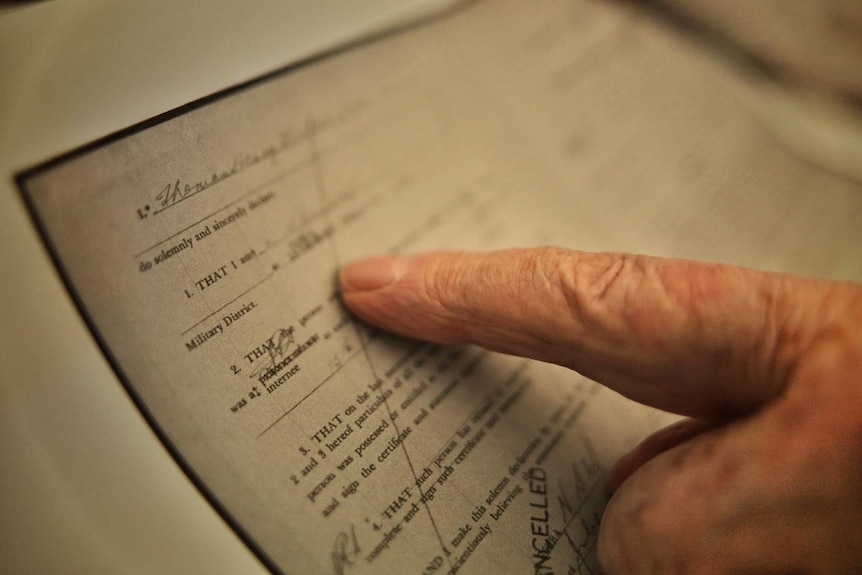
(767, 475)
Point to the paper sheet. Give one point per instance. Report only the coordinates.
(202, 247)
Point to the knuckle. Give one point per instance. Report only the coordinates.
(605, 287)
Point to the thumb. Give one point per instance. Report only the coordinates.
(777, 492)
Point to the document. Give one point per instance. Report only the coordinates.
(202, 248)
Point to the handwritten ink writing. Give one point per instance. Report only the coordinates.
(345, 551)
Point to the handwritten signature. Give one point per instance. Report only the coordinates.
(276, 347)
(581, 535)
(345, 551)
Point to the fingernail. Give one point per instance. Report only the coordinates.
(372, 273)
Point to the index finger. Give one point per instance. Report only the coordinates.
(704, 340)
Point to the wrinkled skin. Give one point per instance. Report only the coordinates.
(766, 475)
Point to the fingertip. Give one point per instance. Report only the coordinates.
(371, 274)
(382, 290)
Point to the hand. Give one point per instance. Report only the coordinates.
(767, 475)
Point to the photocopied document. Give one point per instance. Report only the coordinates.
(202, 247)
